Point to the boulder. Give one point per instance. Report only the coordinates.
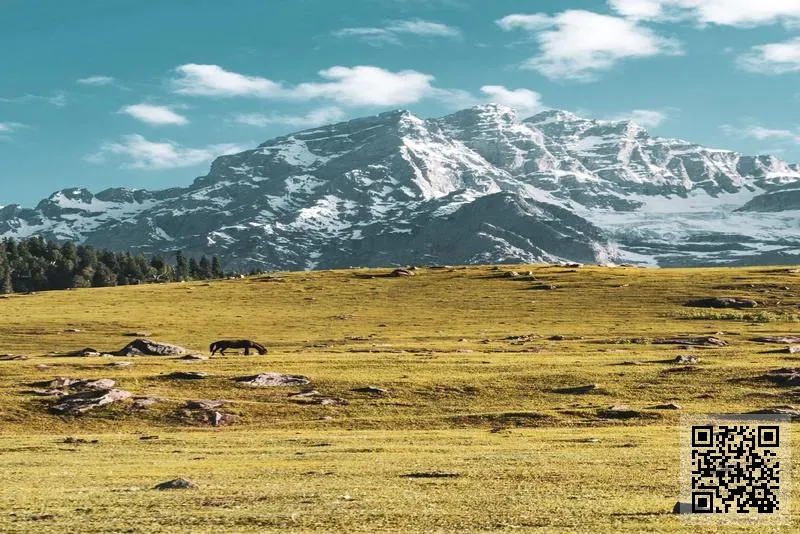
(723, 302)
(668, 406)
(13, 357)
(372, 390)
(686, 359)
(147, 347)
(793, 349)
(120, 364)
(703, 341)
(268, 380)
(402, 272)
(85, 401)
(783, 340)
(784, 377)
(178, 483)
(88, 351)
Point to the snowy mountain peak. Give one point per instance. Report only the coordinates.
(478, 185)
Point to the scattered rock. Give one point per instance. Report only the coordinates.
(402, 272)
(77, 383)
(42, 366)
(783, 340)
(147, 347)
(682, 369)
(682, 508)
(793, 349)
(372, 390)
(140, 403)
(545, 287)
(138, 334)
(120, 364)
(557, 338)
(188, 375)
(178, 483)
(668, 406)
(791, 411)
(85, 401)
(723, 302)
(511, 274)
(206, 404)
(147, 438)
(13, 358)
(784, 377)
(686, 359)
(88, 351)
(333, 401)
(708, 341)
(267, 380)
(72, 331)
(74, 441)
(578, 390)
(632, 362)
(47, 392)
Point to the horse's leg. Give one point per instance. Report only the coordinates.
(247, 351)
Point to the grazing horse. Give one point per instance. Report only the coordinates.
(245, 344)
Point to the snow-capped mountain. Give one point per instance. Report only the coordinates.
(479, 185)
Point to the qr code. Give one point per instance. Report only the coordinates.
(736, 467)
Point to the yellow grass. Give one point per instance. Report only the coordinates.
(463, 400)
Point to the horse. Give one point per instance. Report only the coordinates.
(245, 344)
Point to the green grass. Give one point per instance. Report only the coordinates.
(464, 400)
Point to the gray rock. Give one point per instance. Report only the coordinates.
(178, 483)
(723, 302)
(668, 406)
(193, 357)
(147, 347)
(686, 359)
(267, 380)
(372, 390)
(85, 401)
(13, 358)
(703, 341)
(206, 404)
(783, 340)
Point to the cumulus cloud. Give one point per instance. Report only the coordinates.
(579, 45)
(155, 115)
(152, 156)
(96, 81)
(213, 80)
(351, 86)
(391, 33)
(525, 101)
(648, 118)
(773, 58)
(743, 13)
(315, 117)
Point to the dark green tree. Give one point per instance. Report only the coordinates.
(181, 266)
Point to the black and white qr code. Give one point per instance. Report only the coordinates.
(738, 467)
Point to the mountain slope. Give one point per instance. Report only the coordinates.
(479, 185)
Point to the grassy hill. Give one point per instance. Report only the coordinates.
(468, 359)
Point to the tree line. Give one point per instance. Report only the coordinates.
(36, 264)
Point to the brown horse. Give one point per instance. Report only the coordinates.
(245, 344)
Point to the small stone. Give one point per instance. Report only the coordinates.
(794, 349)
(668, 406)
(686, 359)
(273, 380)
(193, 357)
(178, 483)
(578, 390)
(13, 357)
(120, 364)
(372, 390)
(402, 272)
(206, 404)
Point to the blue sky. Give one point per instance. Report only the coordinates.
(143, 93)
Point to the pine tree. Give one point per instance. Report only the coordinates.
(181, 267)
(205, 268)
(216, 268)
(194, 269)
(8, 286)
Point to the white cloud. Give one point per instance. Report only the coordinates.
(744, 13)
(156, 115)
(424, 27)
(316, 117)
(371, 36)
(525, 101)
(58, 99)
(361, 85)
(762, 133)
(648, 118)
(8, 127)
(391, 33)
(96, 80)
(579, 45)
(151, 156)
(367, 86)
(774, 58)
(213, 80)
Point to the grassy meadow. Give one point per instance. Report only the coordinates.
(469, 359)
